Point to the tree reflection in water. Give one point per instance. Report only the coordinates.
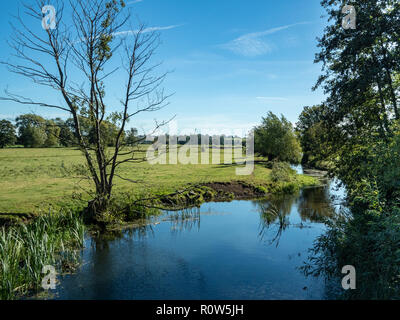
(183, 220)
(313, 205)
(273, 216)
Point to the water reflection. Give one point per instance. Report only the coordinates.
(272, 216)
(212, 252)
(314, 205)
(185, 220)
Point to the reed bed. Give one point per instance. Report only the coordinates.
(52, 239)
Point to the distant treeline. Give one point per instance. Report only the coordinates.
(199, 139)
(33, 131)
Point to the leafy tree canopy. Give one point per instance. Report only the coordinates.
(7, 133)
(275, 138)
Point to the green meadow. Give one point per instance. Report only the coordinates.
(33, 180)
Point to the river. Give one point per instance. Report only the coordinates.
(236, 250)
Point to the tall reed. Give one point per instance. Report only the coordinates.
(51, 239)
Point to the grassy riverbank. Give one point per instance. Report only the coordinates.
(38, 181)
(34, 180)
(53, 239)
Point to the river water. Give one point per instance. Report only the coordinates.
(236, 250)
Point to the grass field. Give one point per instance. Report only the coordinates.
(31, 180)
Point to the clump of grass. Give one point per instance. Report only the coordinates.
(120, 209)
(51, 239)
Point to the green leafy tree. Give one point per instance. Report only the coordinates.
(360, 66)
(360, 76)
(131, 137)
(52, 134)
(275, 138)
(7, 134)
(31, 130)
(314, 135)
(66, 136)
(110, 132)
(361, 80)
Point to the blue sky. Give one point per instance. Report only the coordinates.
(232, 61)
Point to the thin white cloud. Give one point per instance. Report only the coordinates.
(272, 98)
(253, 44)
(150, 29)
(133, 32)
(133, 2)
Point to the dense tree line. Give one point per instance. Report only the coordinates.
(314, 135)
(201, 139)
(357, 131)
(33, 131)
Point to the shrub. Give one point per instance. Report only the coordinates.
(276, 139)
(282, 172)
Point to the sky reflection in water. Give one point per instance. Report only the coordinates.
(237, 250)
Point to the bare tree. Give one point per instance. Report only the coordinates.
(76, 59)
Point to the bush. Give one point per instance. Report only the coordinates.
(282, 172)
(276, 139)
(122, 208)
